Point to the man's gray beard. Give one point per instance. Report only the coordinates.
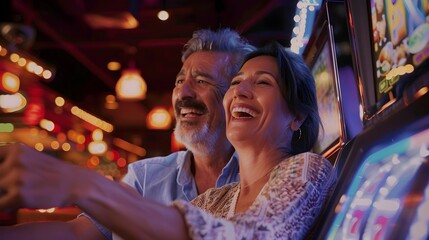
(201, 140)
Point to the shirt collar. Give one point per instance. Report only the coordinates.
(185, 179)
(229, 172)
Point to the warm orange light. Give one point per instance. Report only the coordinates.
(105, 126)
(76, 136)
(3, 51)
(129, 147)
(14, 57)
(121, 20)
(121, 162)
(158, 118)
(66, 146)
(10, 82)
(55, 145)
(112, 155)
(80, 139)
(93, 162)
(131, 86)
(113, 66)
(97, 147)
(59, 101)
(49, 210)
(62, 137)
(39, 147)
(46, 74)
(111, 102)
(47, 124)
(22, 62)
(38, 70)
(97, 135)
(12, 103)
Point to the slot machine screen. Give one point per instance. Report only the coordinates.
(320, 56)
(399, 40)
(388, 196)
(324, 74)
(390, 41)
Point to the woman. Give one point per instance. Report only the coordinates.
(272, 120)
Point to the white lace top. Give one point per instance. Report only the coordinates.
(286, 207)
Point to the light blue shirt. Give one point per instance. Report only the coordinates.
(164, 179)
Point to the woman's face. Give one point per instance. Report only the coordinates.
(254, 106)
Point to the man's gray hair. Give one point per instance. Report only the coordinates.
(222, 40)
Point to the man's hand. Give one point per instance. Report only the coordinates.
(32, 179)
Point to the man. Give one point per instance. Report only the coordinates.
(210, 59)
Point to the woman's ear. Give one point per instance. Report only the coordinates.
(297, 122)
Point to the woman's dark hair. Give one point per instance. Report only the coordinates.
(298, 88)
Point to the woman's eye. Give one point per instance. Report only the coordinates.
(235, 82)
(263, 82)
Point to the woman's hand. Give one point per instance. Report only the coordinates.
(33, 179)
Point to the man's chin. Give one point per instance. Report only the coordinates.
(189, 135)
(189, 123)
(189, 127)
(185, 136)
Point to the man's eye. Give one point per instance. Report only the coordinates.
(179, 81)
(199, 81)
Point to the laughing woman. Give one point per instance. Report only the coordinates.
(272, 121)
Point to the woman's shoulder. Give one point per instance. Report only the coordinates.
(305, 160)
(306, 166)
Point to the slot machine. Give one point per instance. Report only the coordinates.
(382, 190)
(337, 94)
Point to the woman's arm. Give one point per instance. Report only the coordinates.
(122, 210)
(77, 229)
(36, 180)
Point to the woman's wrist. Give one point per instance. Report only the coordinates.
(81, 185)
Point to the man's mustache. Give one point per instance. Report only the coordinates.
(190, 103)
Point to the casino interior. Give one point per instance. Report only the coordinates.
(90, 82)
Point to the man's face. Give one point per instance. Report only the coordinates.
(197, 99)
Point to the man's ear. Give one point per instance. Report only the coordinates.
(297, 122)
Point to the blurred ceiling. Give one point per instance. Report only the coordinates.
(79, 37)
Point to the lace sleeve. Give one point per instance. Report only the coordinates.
(285, 209)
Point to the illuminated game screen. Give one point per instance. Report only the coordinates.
(400, 40)
(323, 73)
(389, 196)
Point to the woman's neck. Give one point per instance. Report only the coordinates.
(254, 163)
(255, 170)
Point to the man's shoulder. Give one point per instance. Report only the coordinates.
(158, 178)
(172, 160)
